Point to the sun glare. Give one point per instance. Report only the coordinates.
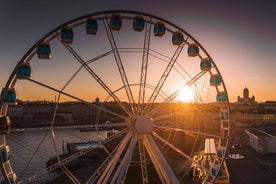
(186, 95)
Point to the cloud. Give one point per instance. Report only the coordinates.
(252, 77)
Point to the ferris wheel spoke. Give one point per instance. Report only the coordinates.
(188, 83)
(79, 69)
(76, 98)
(162, 167)
(181, 152)
(98, 57)
(35, 153)
(105, 176)
(120, 66)
(121, 172)
(144, 69)
(94, 75)
(164, 77)
(166, 116)
(74, 156)
(68, 173)
(175, 93)
(191, 132)
(60, 164)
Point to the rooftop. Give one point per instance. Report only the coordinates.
(263, 131)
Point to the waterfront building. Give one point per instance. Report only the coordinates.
(15, 111)
(262, 139)
(246, 112)
(246, 99)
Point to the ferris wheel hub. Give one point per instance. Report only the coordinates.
(144, 125)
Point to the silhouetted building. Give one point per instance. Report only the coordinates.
(246, 99)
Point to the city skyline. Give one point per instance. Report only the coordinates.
(244, 29)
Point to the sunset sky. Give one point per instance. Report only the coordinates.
(240, 36)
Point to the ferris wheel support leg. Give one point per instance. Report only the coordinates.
(121, 171)
(104, 178)
(143, 161)
(163, 168)
(181, 152)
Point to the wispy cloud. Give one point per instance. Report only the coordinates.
(252, 77)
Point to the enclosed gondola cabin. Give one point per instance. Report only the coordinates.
(44, 51)
(215, 80)
(5, 124)
(5, 153)
(217, 171)
(224, 115)
(206, 64)
(10, 97)
(24, 71)
(177, 38)
(193, 50)
(138, 23)
(91, 26)
(115, 22)
(159, 29)
(221, 97)
(67, 35)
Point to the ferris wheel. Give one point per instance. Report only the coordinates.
(115, 97)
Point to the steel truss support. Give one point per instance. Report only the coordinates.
(143, 161)
(191, 132)
(121, 172)
(94, 75)
(106, 175)
(174, 94)
(164, 170)
(100, 170)
(164, 77)
(181, 152)
(144, 68)
(76, 98)
(120, 66)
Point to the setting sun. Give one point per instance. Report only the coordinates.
(186, 95)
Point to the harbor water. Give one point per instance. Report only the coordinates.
(31, 148)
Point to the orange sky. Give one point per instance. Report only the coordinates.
(239, 36)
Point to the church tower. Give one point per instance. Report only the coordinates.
(245, 93)
(246, 99)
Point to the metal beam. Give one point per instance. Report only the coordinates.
(190, 132)
(101, 169)
(143, 161)
(121, 172)
(163, 168)
(174, 94)
(120, 66)
(164, 77)
(105, 177)
(76, 98)
(94, 75)
(181, 152)
(144, 68)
